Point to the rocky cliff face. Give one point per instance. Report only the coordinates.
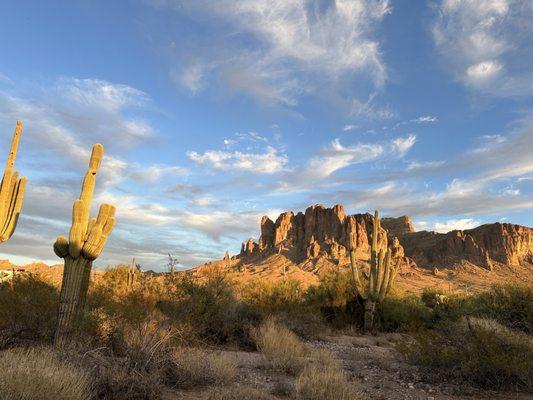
(320, 231)
(323, 232)
(504, 243)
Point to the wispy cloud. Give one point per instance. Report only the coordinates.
(486, 43)
(349, 127)
(425, 118)
(267, 162)
(274, 50)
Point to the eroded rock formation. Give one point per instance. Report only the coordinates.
(504, 243)
(323, 232)
(320, 231)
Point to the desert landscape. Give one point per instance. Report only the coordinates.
(266, 200)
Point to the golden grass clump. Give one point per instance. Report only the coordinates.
(280, 346)
(193, 367)
(38, 374)
(323, 382)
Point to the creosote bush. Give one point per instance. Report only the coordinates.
(281, 348)
(480, 352)
(38, 373)
(28, 309)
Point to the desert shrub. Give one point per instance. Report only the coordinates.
(111, 294)
(430, 296)
(115, 379)
(305, 324)
(404, 313)
(238, 393)
(281, 348)
(39, 374)
(194, 367)
(322, 382)
(270, 298)
(133, 365)
(477, 351)
(334, 297)
(509, 304)
(28, 309)
(210, 307)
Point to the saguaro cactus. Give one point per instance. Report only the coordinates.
(381, 277)
(131, 273)
(11, 190)
(86, 241)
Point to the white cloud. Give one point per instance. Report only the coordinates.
(349, 127)
(268, 162)
(483, 71)
(416, 165)
(403, 144)
(486, 43)
(425, 118)
(456, 224)
(370, 110)
(192, 77)
(337, 156)
(274, 50)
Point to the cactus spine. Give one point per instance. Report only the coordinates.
(85, 243)
(382, 273)
(11, 190)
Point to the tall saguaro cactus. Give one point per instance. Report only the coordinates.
(11, 190)
(86, 241)
(381, 277)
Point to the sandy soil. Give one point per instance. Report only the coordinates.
(375, 369)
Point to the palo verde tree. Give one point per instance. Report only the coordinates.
(85, 243)
(381, 277)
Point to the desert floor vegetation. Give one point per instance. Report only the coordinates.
(161, 337)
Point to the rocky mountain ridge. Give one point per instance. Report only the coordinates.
(322, 232)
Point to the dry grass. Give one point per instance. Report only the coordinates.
(323, 382)
(39, 374)
(193, 367)
(239, 393)
(281, 348)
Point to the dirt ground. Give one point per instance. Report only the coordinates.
(376, 370)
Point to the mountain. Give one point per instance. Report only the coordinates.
(302, 245)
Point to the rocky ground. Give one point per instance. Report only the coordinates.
(375, 368)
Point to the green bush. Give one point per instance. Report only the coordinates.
(404, 313)
(477, 351)
(28, 309)
(209, 306)
(509, 304)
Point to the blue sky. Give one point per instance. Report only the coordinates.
(215, 112)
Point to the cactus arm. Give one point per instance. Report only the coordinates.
(89, 181)
(61, 247)
(15, 206)
(386, 277)
(7, 178)
(11, 190)
(76, 237)
(394, 272)
(356, 279)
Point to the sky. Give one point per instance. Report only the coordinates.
(213, 113)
